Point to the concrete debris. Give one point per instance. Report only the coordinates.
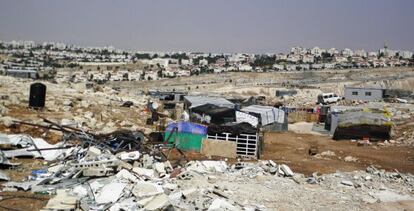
(390, 196)
(21, 185)
(144, 189)
(149, 173)
(350, 159)
(80, 191)
(221, 204)
(3, 176)
(128, 156)
(96, 177)
(286, 170)
(328, 153)
(110, 193)
(62, 201)
(7, 121)
(157, 203)
(347, 183)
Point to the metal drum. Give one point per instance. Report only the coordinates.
(37, 95)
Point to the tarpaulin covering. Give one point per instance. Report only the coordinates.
(187, 127)
(188, 136)
(218, 115)
(373, 132)
(266, 114)
(365, 123)
(233, 129)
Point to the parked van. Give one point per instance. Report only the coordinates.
(327, 98)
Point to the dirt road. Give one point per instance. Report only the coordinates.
(292, 148)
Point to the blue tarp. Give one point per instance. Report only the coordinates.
(187, 127)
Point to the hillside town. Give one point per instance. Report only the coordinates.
(100, 64)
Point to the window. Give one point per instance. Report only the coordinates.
(354, 93)
(367, 93)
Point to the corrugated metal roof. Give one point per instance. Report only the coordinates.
(364, 88)
(257, 109)
(201, 100)
(20, 71)
(268, 114)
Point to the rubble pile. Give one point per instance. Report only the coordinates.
(99, 109)
(95, 177)
(98, 179)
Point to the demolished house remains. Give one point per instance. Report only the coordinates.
(123, 171)
(203, 153)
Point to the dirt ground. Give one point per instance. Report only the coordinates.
(292, 149)
(22, 201)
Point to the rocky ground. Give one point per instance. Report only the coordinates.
(341, 176)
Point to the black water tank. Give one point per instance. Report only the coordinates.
(37, 95)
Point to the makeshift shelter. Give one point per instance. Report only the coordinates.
(268, 117)
(213, 114)
(191, 102)
(232, 129)
(185, 135)
(245, 138)
(361, 124)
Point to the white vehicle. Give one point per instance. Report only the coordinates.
(327, 98)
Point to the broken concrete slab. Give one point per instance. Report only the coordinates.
(3, 176)
(144, 172)
(157, 203)
(128, 204)
(110, 193)
(97, 171)
(159, 168)
(80, 191)
(125, 174)
(38, 143)
(62, 201)
(221, 204)
(22, 185)
(129, 156)
(347, 183)
(286, 170)
(145, 189)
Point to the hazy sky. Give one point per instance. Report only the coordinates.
(257, 26)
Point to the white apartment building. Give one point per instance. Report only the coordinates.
(281, 56)
(316, 51)
(293, 58)
(333, 51)
(308, 58)
(347, 52)
(360, 53)
(298, 50)
(406, 54)
(245, 67)
(203, 62)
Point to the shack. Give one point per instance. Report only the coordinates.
(173, 96)
(266, 117)
(359, 123)
(363, 93)
(22, 73)
(195, 101)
